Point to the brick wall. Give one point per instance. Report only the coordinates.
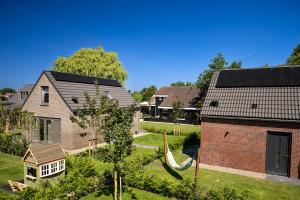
(241, 144)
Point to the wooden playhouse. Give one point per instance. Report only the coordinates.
(43, 162)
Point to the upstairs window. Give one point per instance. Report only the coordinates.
(24, 95)
(45, 95)
(254, 106)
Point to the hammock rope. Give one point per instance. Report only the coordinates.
(173, 163)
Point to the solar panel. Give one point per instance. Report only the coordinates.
(59, 76)
(264, 77)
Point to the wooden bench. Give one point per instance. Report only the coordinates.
(16, 186)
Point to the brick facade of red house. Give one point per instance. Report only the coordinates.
(241, 144)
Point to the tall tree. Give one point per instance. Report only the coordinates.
(137, 96)
(181, 83)
(294, 58)
(148, 92)
(92, 62)
(235, 65)
(217, 63)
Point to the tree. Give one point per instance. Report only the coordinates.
(91, 117)
(92, 62)
(176, 113)
(148, 92)
(217, 63)
(294, 58)
(7, 90)
(137, 96)
(118, 122)
(235, 65)
(181, 83)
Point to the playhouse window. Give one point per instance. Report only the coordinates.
(45, 170)
(31, 171)
(61, 165)
(53, 168)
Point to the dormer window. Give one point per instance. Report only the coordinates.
(214, 104)
(24, 95)
(45, 95)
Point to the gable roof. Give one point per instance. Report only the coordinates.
(73, 86)
(44, 153)
(265, 93)
(188, 95)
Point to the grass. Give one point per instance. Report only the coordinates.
(130, 193)
(160, 127)
(262, 189)
(155, 139)
(11, 168)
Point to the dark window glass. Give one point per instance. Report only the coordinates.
(214, 104)
(42, 129)
(254, 106)
(45, 94)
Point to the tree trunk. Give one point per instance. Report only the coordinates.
(174, 128)
(116, 184)
(7, 126)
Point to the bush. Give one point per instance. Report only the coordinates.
(14, 144)
(161, 127)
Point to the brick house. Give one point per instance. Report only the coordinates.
(251, 121)
(56, 96)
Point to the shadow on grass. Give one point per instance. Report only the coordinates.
(171, 171)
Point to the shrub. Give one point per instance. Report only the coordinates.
(14, 144)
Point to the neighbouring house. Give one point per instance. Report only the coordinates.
(251, 121)
(163, 99)
(17, 99)
(56, 96)
(43, 162)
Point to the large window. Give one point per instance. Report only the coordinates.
(45, 95)
(52, 168)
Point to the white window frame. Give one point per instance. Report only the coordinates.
(52, 168)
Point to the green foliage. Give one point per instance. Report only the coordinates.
(235, 65)
(13, 144)
(181, 83)
(7, 90)
(93, 62)
(148, 92)
(118, 122)
(177, 110)
(217, 63)
(137, 96)
(294, 58)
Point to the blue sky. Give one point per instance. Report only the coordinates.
(158, 42)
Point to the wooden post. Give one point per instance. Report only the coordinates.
(165, 145)
(7, 126)
(197, 166)
(116, 185)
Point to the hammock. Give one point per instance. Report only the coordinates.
(173, 163)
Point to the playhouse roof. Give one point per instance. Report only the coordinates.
(45, 153)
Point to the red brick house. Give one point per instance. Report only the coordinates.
(251, 121)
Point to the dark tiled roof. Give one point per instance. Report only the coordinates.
(188, 95)
(44, 153)
(75, 89)
(265, 102)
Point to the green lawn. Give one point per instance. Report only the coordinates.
(262, 189)
(11, 168)
(160, 127)
(130, 193)
(155, 139)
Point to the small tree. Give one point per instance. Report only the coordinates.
(91, 116)
(294, 58)
(176, 113)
